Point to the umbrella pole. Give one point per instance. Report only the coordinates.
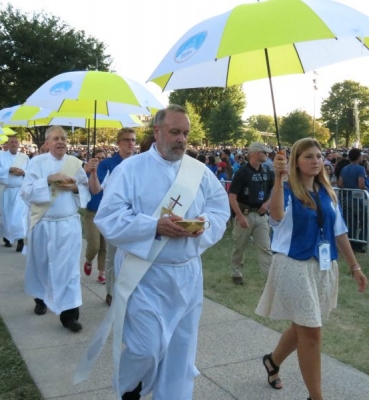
(273, 102)
(95, 112)
(88, 140)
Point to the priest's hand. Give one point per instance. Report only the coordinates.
(60, 179)
(16, 171)
(167, 227)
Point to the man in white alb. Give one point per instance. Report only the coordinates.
(164, 308)
(13, 210)
(55, 187)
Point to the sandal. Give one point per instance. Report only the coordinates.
(275, 369)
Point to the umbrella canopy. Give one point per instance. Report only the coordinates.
(261, 40)
(94, 92)
(17, 115)
(84, 120)
(6, 131)
(3, 138)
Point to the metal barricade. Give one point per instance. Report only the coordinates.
(226, 184)
(355, 210)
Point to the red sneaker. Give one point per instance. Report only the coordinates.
(101, 279)
(87, 268)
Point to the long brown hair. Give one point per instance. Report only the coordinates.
(295, 181)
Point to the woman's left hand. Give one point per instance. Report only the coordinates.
(361, 280)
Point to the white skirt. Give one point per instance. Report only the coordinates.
(298, 291)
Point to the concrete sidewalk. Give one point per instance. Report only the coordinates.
(229, 354)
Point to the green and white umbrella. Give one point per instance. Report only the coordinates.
(6, 131)
(17, 115)
(84, 120)
(3, 139)
(263, 40)
(95, 92)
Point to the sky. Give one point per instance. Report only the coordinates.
(139, 33)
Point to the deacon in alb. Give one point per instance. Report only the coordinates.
(13, 210)
(55, 187)
(163, 312)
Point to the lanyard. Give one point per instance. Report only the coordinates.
(319, 211)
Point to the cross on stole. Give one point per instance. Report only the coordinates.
(175, 202)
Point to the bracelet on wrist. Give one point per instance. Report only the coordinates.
(354, 268)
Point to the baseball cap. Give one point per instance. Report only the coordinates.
(257, 146)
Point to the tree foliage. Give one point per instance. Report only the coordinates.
(34, 48)
(205, 100)
(295, 125)
(225, 124)
(197, 133)
(339, 111)
(261, 122)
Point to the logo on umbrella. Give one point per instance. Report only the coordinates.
(6, 115)
(60, 88)
(190, 47)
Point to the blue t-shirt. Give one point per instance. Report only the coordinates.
(297, 235)
(104, 169)
(350, 175)
(106, 166)
(213, 168)
(222, 175)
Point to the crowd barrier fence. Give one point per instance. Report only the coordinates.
(355, 211)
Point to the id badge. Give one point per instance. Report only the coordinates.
(261, 195)
(324, 256)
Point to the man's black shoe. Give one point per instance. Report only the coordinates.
(73, 325)
(40, 307)
(7, 243)
(20, 245)
(134, 395)
(237, 280)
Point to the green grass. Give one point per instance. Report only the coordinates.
(15, 381)
(345, 335)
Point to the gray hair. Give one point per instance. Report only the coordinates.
(52, 129)
(161, 114)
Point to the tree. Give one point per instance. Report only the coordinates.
(299, 124)
(225, 124)
(296, 125)
(197, 133)
(339, 111)
(262, 123)
(34, 48)
(205, 100)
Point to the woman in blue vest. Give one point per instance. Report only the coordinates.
(302, 285)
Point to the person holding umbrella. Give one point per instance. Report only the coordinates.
(302, 284)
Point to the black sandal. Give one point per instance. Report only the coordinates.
(274, 371)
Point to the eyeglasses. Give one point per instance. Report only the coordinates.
(128, 140)
(263, 152)
(100, 158)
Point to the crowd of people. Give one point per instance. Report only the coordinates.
(151, 265)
